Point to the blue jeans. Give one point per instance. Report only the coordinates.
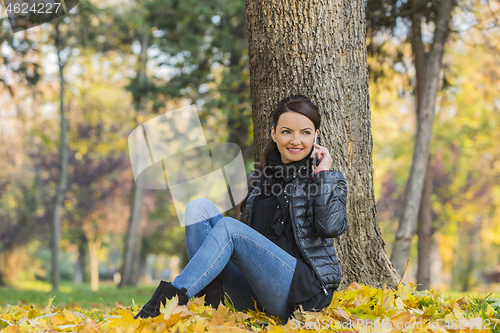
(252, 266)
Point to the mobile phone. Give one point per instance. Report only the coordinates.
(315, 158)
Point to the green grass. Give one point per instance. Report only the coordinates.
(40, 293)
(471, 294)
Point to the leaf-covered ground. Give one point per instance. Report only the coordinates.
(356, 308)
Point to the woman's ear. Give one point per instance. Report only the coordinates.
(273, 134)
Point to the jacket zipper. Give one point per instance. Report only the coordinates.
(300, 248)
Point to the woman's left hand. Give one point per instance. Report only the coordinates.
(324, 156)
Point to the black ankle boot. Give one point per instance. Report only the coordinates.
(165, 290)
(214, 293)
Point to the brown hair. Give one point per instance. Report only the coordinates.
(296, 103)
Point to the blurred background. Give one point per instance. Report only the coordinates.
(110, 65)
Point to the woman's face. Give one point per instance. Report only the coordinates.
(294, 136)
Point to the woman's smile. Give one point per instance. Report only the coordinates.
(295, 150)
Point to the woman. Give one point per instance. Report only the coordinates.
(283, 253)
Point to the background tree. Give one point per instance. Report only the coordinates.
(296, 52)
(206, 46)
(69, 33)
(63, 163)
(98, 157)
(387, 17)
(139, 87)
(466, 202)
(413, 193)
(20, 73)
(391, 99)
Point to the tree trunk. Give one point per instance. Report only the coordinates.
(425, 234)
(418, 51)
(133, 238)
(3, 265)
(473, 253)
(134, 235)
(63, 176)
(319, 50)
(94, 247)
(415, 184)
(424, 229)
(140, 267)
(78, 269)
(81, 263)
(138, 257)
(436, 265)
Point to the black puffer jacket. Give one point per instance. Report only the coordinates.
(318, 215)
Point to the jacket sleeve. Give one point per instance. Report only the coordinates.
(330, 215)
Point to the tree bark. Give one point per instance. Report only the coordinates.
(425, 234)
(415, 184)
(418, 51)
(319, 50)
(424, 228)
(63, 176)
(134, 234)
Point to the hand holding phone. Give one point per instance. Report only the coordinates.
(326, 159)
(315, 158)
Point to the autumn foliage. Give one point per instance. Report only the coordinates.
(356, 308)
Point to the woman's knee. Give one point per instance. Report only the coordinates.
(231, 225)
(198, 209)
